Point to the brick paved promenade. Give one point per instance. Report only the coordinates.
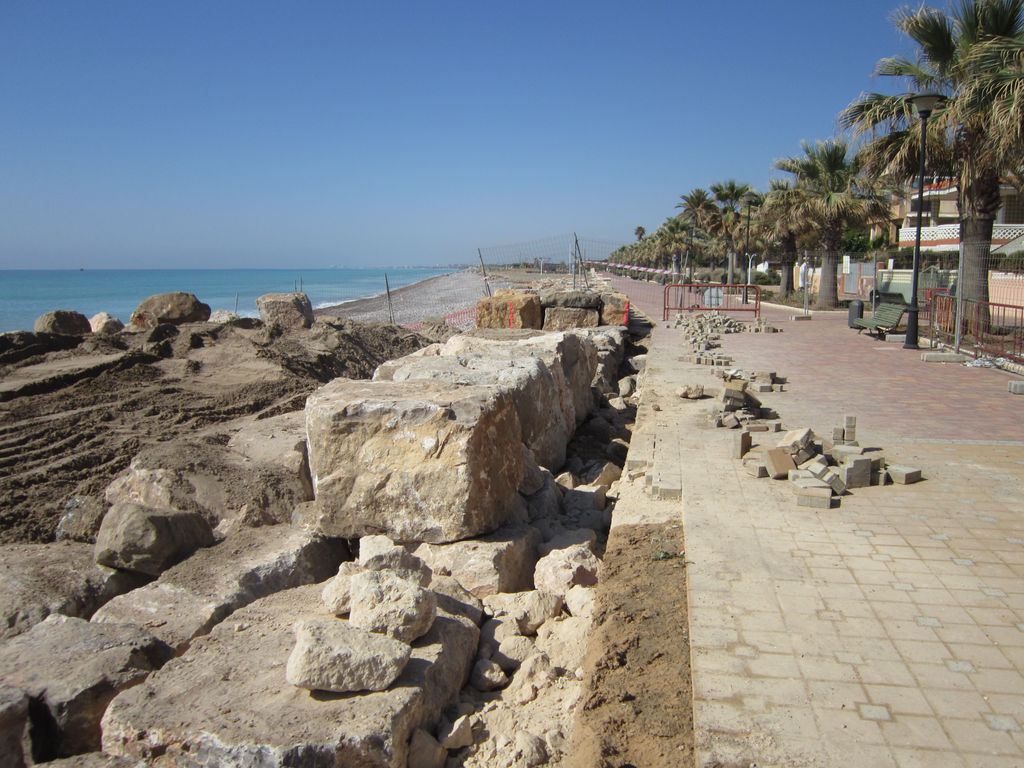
(886, 632)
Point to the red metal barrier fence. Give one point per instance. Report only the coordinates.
(711, 297)
(985, 327)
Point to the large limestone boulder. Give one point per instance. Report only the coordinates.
(13, 719)
(570, 356)
(527, 381)
(562, 569)
(175, 308)
(610, 345)
(179, 712)
(614, 308)
(149, 540)
(509, 309)
(192, 597)
(570, 299)
(379, 553)
(256, 479)
(567, 318)
(278, 442)
(337, 593)
(383, 602)
(105, 324)
(71, 669)
(527, 610)
(502, 561)
(417, 461)
(565, 641)
(37, 580)
(285, 310)
(502, 643)
(331, 655)
(65, 322)
(454, 599)
(81, 519)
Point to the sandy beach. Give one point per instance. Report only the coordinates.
(432, 298)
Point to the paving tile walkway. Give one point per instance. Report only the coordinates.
(886, 632)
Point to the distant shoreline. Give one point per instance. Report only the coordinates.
(429, 299)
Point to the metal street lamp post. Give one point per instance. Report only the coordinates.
(924, 103)
(749, 200)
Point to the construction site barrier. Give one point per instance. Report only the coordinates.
(711, 297)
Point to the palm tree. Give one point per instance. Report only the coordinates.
(967, 55)
(729, 195)
(782, 223)
(673, 237)
(832, 194)
(639, 232)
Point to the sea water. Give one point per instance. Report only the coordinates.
(26, 294)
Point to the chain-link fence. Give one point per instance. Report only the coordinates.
(451, 298)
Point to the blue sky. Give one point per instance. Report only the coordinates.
(224, 134)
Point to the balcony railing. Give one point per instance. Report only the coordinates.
(946, 237)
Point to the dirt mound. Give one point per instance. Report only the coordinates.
(69, 435)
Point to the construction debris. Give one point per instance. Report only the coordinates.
(819, 471)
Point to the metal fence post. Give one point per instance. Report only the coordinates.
(959, 312)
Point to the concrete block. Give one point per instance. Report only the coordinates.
(843, 453)
(805, 483)
(741, 444)
(762, 386)
(757, 427)
(850, 435)
(799, 318)
(778, 388)
(832, 477)
(1015, 387)
(856, 473)
(729, 421)
(849, 422)
(943, 357)
(815, 465)
(816, 502)
(880, 477)
(796, 439)
(902, 475)
(778, 462)
(837, 435)
(799, 474)
(755, 468)
(804, 454)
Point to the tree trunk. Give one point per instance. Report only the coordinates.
(732, 266)
(788, 260)
(828, 295)
(976, 235)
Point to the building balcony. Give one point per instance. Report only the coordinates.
(946, 237)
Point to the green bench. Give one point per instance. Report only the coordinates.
(884, 320)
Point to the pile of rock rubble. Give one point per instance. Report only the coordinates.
(403, 574)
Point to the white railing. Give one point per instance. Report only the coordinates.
(946, 237)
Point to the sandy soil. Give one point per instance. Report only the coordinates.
(71, 419)
(637, 708)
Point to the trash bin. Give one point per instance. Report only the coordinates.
(856, 312)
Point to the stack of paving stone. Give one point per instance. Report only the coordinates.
(738, 405)
(820, 471)
(702, 332)
(760, 381)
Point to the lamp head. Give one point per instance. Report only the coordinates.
(924, 103)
